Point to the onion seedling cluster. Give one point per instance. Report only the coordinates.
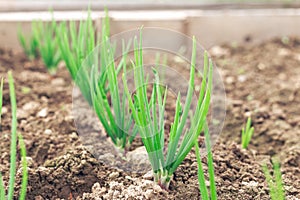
(149, 116)
(65, 41)
(43, 42)
(100, 88)
(113, 114)
(30, 47)
(75, 43)
(48, 41)
(98, 83)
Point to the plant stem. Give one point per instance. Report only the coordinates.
(201, 178)
(163, 178)
(13, 146)
(24, 168)
(213, 190)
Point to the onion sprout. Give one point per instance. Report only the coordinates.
(30, 47)
(151, 126)
(247, 133)
(48, 43)
(276, 183)
(201, 178)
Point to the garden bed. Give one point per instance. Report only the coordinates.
(260, 80)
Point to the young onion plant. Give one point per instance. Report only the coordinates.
(149, 116)
(96, 78)
(13, 151)
(276, 183)
(201, 178)
(113, 115)
(76, 43)
(247, 133)
(48, 43)
(30, 47)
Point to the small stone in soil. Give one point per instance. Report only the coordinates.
(43, 113)
(148, 175)
(29, 106)
(73, 136)
(48, 131)
(242, 78)
(58, 82)
(4, 110)
(230, 80)
(30, 161)
(114, 175)
(219, 51)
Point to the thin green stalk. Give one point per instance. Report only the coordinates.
(177, 132)
(199, 111)
(201, 178)
(213, 190)
(276, 183)
(101, 106)
(13, 147)
(247, 133)
(24, 168)
(279, 181)
(198, 121)
(114, 89)
(159, 123)
(141, 101)
(270, 182)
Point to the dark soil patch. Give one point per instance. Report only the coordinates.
(261, 80)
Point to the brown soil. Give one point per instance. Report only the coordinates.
(261, 81)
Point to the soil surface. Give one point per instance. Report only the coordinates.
(261, 81)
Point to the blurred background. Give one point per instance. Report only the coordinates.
(213, 22)
(30, 5)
